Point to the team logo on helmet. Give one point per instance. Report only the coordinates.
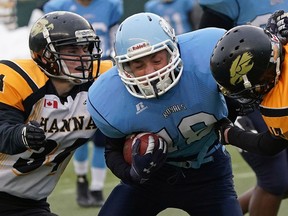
(38, 28)
(240, 67)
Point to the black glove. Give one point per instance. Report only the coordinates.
(33, 137)
(277, 24)
(144, 165)
(221, 126)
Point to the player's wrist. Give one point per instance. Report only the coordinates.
(18, 137)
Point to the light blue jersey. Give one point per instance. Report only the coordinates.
(184, 116)
(102, 14)
(176, 12)
(246, 11)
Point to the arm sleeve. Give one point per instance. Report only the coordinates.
(261, 143)
(115, 160)
(11, 125)
(211, 18)
(232, 106)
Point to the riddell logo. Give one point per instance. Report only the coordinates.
(138, 47)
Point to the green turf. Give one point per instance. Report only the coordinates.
(63, 202)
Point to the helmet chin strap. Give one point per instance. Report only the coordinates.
(277, 71)
(47, 37)
(73, 80)
(246, 83)
(76, 81)
(64, 67)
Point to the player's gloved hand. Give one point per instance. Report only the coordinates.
(222, 125)
(33, 137)
(277, 24)
(245, 123)
(144, 165)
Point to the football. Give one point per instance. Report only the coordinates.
(144, 137)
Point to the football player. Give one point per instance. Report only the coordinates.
(163, 84)
(43, 110)
(254, 73)
(104, 16)
(265, 197)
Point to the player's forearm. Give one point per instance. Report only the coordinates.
(115, 160)
(262, 143)
(10, 131)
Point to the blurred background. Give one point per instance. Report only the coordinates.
(16, 20)
(17, 16)
(16, 13)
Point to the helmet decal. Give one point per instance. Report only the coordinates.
(241, 66)
(38, 28)
(167, 28)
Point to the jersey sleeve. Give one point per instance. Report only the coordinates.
(10, 130)
(107, 129)
(274, 104)
(14, 87)
(96, 105)
(115, 159)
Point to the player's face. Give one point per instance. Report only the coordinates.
(73, 59)
(149, 64)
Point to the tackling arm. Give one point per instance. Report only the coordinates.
(261, 143)
(10, 129)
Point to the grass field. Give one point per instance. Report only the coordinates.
(63, 201)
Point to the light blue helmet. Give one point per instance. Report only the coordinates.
(140, 35)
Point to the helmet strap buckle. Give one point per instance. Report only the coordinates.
(247, 83)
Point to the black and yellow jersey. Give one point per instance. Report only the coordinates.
(26, 94)
(274, 107)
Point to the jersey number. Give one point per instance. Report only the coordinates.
(192, 128)
(37, 158)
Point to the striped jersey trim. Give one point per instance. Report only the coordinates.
(20, 71)
(276, 112)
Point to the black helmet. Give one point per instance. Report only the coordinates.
(57, 29)
(246, 62)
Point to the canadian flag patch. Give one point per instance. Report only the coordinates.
(51, 103)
